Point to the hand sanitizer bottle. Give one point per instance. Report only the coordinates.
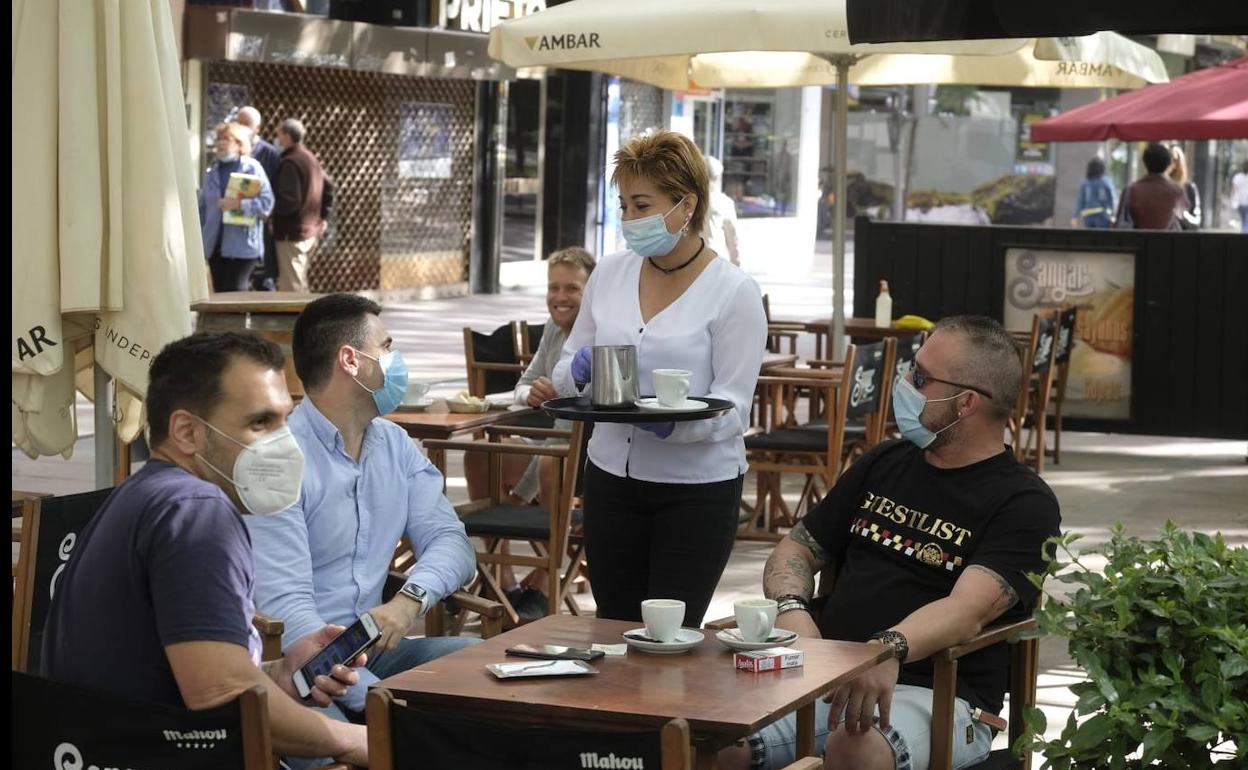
(884, 306)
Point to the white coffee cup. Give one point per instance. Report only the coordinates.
(416, 392)
(755, 618)
(671, 386)
(663, 618)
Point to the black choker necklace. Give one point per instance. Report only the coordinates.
(682, 265)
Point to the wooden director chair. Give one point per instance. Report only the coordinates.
(1031, 409)
(545, 528)
(783, 447)
(493, 360)
(445, 618)
(1021, 692)
(63, 725)
(1067, 337)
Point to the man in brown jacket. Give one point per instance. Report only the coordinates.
(300, 212)
(1154, 202)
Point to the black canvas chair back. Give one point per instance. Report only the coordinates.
(907, 349)
(497, 347)
(424, 739)
(66, 726)
(58, 523)
(533, 337)
(1065, 335)
(867, 379)
(1045, 341)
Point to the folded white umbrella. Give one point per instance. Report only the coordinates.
(107, 256)
(780, 43)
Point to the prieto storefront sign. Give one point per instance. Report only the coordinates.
(482, 15)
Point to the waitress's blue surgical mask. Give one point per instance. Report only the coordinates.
(908, 405)
(393, 383)
(648, 236)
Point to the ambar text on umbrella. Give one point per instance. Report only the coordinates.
(39, 338)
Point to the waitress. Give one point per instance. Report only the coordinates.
(661, 499)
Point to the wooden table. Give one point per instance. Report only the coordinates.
(638, 691)
(270, 314)
(772, 360)
(436, 423)
(863, 328)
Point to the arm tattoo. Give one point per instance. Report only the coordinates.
(802, 536)
(1008, 596)
(793, 576)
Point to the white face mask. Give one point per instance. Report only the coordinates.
(267, 473)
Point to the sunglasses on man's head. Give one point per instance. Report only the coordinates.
(920, 379)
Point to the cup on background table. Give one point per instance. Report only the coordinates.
(755, 618)
(671, 386)
(416, 392)
(663, 618)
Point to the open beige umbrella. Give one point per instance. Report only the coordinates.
(745, 44)
(106, 247)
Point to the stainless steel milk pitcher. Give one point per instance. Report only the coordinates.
(613, 379)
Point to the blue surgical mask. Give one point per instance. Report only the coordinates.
(228, 157)
(393, 382)
(648, 236)
(908, 406)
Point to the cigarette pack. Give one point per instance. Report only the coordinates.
(769, 659)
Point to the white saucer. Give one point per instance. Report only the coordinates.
(686, 639)
(416, 406)
(653, 405)
(731, 639)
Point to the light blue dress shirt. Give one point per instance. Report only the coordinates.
(325, 559)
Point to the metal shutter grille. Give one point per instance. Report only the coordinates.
(386, 231)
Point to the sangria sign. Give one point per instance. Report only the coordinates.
(1101, 285)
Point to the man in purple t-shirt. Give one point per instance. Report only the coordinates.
(156, 603)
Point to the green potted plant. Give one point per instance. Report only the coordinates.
(1162, 633)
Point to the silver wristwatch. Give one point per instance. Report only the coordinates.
(415, 593)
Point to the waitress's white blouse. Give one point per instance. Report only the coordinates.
(716, 329)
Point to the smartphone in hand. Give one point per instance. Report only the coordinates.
(553, 652)
(344, 648)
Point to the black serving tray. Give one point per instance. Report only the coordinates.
(579, 408)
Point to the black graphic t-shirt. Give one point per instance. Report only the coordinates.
(901, 533)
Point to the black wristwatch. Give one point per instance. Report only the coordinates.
(896, 640)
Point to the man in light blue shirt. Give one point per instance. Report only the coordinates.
(365, 486)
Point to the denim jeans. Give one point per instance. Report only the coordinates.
(909, 733)
(407, 654)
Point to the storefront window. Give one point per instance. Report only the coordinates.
(761, 131)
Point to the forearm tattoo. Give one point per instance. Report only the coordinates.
(792, 573)
(785, 575)
(802, 536)
(1007, 597)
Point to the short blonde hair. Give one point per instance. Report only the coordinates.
(237, 132)
(673, 163)
(574, 256)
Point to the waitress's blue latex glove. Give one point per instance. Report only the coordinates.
(660, 429)
(582, 364)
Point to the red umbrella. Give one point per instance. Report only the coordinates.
(1207, 104)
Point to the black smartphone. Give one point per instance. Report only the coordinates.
(344, 648)
(553, 652)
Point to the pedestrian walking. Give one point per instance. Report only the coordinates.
(301, 211)
(1095, 205)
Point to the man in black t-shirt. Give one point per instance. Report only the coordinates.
(929, 540)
